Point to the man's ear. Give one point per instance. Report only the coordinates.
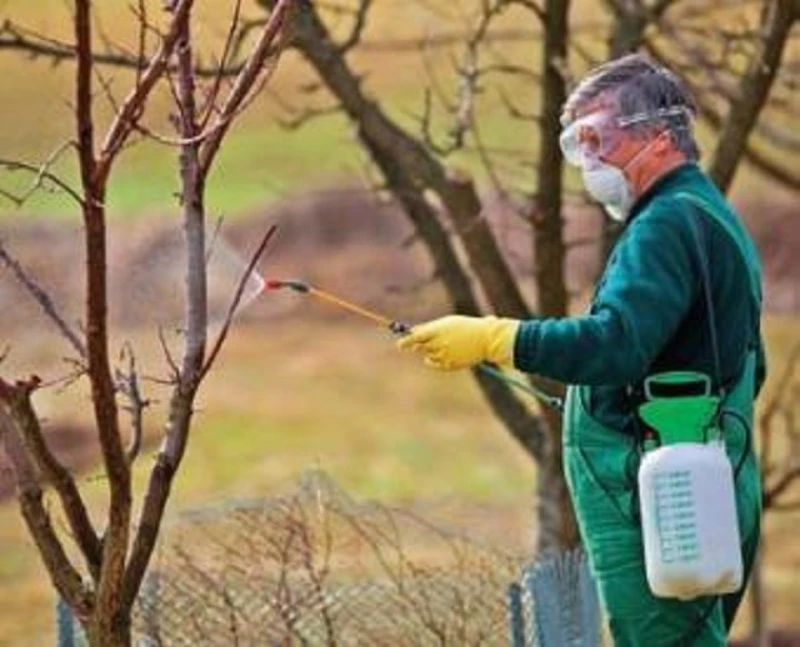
(665, 142)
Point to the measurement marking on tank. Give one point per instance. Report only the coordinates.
(676, 521)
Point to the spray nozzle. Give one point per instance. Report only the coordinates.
(297, 286)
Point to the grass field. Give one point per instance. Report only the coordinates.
(297, 394)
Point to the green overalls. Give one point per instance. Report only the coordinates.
(651, 301)
(601, 465)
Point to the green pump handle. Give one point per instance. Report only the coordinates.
(679, 406)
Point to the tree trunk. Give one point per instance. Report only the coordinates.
(760, 630)
(105, 632)
(556, 519)
(557, 529)
(628, 33)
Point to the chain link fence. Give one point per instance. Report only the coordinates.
(317, 568)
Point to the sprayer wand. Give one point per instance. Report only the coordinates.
(399, 328)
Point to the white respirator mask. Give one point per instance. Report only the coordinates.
(608, 185)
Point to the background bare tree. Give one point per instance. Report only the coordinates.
(102, 590)
(450, 215)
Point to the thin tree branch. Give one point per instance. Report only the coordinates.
(17, 399)
(272, 31)
(42, 173)
(175, 142)
(358, 26)
(141, 15)
(128, 384)
(16, 38)
(211, 100)
(133, 104)
(516, 113)
(171, 363)
(786, 138)
(425, 130)
(44, 300)
(781, 485)
(302, 117)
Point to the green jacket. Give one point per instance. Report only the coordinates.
(649, 313)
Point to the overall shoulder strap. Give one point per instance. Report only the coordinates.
(747, 254)
(705, 275)
(741, 241)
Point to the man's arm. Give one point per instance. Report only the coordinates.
(647, 290)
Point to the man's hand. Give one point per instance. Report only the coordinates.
(457, 342)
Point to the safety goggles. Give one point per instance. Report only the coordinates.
(588, 139)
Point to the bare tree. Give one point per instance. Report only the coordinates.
(448, 212)
(102, 592)
(746, 109)
(410, 170)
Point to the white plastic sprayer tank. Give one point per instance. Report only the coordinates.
(691, 532)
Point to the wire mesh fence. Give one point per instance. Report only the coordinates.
(317, 568)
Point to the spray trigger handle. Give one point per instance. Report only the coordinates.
(399, 328)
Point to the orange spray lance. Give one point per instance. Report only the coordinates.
(399, 328)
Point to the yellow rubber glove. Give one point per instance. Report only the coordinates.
(455, 342)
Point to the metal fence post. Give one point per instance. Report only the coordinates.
(65, 623)
(592, 620)
(558, 602)
(515, 614)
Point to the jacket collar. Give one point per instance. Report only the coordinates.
(666, 183)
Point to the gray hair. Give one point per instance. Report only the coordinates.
(648, 99)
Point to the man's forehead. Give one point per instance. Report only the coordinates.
(602, 102)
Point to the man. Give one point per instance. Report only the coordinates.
(681, 291)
